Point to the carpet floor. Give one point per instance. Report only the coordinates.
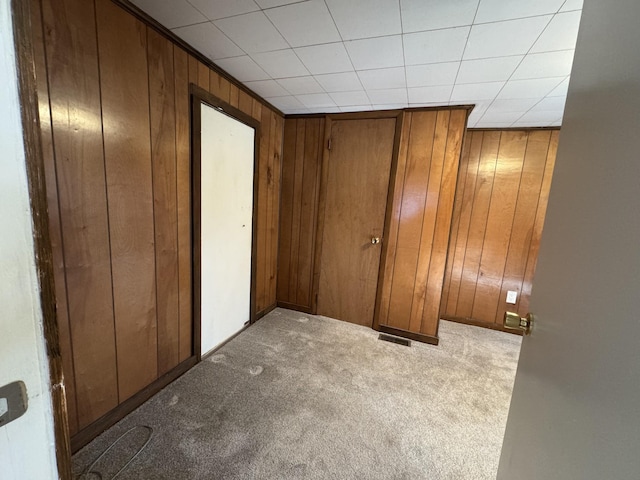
(298, 396)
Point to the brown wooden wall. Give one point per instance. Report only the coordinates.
(419, 219)
(301, 162)
(500, 205)
(114, 108)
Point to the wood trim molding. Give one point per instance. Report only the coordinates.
(265, 312)
(419, 337)
(378, 113)
(87, 434)
(479, 323)
(42, 242)
(165, 32)
(293, 306)
(511, 129)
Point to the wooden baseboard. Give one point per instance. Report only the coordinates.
(419, 337)
(265, 311)
(479, 323)
(91, 431)
(293, 306)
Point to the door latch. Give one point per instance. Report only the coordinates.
(513, 321)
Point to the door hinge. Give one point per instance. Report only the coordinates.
(329, 144)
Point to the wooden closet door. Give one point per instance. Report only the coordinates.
(356, 184)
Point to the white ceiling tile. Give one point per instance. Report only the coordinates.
(383, 78)
(366, 18)
(300, 85)
(327, 58)
(479, 107)
(561, 34)
(571, 5)
(339, 82)
(177, 13)
(435, 46)
(305, 23)
(510, 117)
(538, 87)
(274, 3)
(389, 106)
(488, 69)
(382, 52)
(242, 68)
(432, 75)
(419, 15)
(514, 37)
(344, 99)
(476, 91)
(285, 103)
(316, 100)
(530, 124)
(482, 124)
(550, 103)
(267, 88)
(497, 10)
(215, 9)
(541, 116)
(439, 94)
(561, 90)
(331, 110)
(512, 104)
(296, 111)
(252, 32)
(388, 96)
(208, 40)
(281, 64)
(355, 108)
(549, 64)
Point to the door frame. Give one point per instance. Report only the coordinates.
(324, 172)
(198, 97)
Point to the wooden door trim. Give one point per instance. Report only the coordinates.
(43, 251)
(324, 172)
(199, 96)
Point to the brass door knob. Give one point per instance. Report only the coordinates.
(375, 240)
(513, 321)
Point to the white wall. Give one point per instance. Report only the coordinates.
(575, 412)
(226, 228)
(27, 444)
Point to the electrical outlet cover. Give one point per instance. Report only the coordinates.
(512, 296)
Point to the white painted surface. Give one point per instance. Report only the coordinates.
(27, 443)
(575, 412)
(227, 212)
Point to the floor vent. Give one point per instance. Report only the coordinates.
(392, 339)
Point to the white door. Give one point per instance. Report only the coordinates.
(575, 412)
(227, 159)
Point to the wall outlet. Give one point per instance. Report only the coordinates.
(512, 296)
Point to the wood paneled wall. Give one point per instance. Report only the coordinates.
(114, 109)
(500, 205)
(419, 219)
(301, 163)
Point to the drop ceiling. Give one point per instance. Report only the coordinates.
(511, 58)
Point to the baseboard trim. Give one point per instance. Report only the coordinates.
(293, 306)
(109, 419)
(479, 323)
(418, 337)
(265, 311)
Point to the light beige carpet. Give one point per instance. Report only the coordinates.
(297, 396)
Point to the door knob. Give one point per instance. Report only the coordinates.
(375, 240)
(513, 321)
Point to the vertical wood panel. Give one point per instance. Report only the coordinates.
(163, 156)
(183, 187)
(298, 172)
(245, 103)
(507, 237)
(125, 108)
(72, 57)
(421, 212)
(440, 244)
(203, 76)
(263, 199)
(478, 223)
(524, 217)
(274, 184)
(234, 96)
(62, 308)
(506, 182)
(411, 218)
(286, 209)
